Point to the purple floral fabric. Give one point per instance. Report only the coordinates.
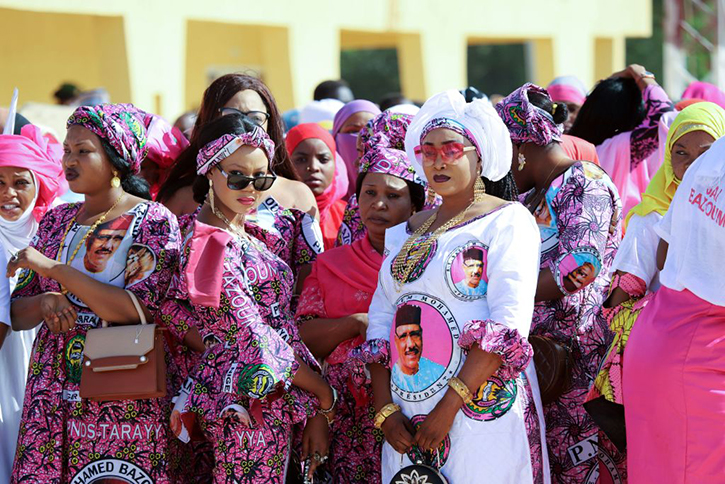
(528, 123)
(215, 151)
(64, 437)
(493, 337)
(123, 126)
(645, 137)
(386, 130)
(580, 214)
(373, 351)
(251, 342)
(355, 443)
(292, 235)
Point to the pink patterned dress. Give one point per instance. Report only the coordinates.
(249, 363)
(579, 220)
(63, 437)
(342, 283)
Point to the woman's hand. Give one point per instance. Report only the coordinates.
(399, 432)
(315, 442)
(58, 312)
(438, 423)
(30, 258)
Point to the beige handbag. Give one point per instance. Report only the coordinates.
(124, 362)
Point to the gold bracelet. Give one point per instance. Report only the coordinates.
(461, 389)
(384, 413)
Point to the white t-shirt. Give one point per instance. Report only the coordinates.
(694, 228)
(499, 254)
(637, 253)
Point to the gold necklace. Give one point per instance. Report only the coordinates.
(402, 268)
(91, 230)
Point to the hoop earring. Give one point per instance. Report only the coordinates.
(522, 161)
(479, 190)
(115, 181)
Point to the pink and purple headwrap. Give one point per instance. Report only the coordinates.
(528, 123)
(386, 130)
(215, 151)
(567, 89)
(123, 126)
(389, 161)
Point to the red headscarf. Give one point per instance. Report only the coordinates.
(330, 202)
(40, 154)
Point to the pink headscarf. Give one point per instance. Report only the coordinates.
(40, 154)
(706, 92)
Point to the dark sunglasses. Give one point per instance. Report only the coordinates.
(257, 117)
(237, 181)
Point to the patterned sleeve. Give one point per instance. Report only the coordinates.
(309, 241)
(28, 284)
(380, 319)
(153, 257)
(645, 137)
(584, 211)
(513, 267)
(311, 304)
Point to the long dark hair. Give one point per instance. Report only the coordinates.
(504, 189)
(230, 124)
(614, 106)
(133, 184)
(216, 96)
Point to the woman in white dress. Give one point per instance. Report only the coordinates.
(463, 397)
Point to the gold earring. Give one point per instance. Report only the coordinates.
(479, 190)
(522, 161)
(115, 181)
(211, 195)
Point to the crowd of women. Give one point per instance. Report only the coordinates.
(433, 294)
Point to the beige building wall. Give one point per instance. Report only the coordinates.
(161, 54)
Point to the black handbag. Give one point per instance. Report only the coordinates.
(419, 473)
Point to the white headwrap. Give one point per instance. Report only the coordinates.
(478, 118)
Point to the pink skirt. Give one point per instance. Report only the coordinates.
(674, 391)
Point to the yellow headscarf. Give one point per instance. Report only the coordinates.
(703, 116)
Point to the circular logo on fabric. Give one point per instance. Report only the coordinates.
(74, 358)
(256, 381)
(466, 271)
(492, 400)
(419, 256)
(420, 369)
(437, 458)
(111, 471)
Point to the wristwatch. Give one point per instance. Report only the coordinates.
(647, 75)
(384, 413)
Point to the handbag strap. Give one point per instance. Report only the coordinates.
(139, 311)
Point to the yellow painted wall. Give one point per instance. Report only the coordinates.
(159, 53)
(41, 50)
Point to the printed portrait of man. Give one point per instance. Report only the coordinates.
(412, 372)
(103, 243)
(582, 275)
(472, 265)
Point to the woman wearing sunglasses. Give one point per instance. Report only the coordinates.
(313, 154)
(451, 368)
(578, 212)
(288, 208)
(250, 374)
